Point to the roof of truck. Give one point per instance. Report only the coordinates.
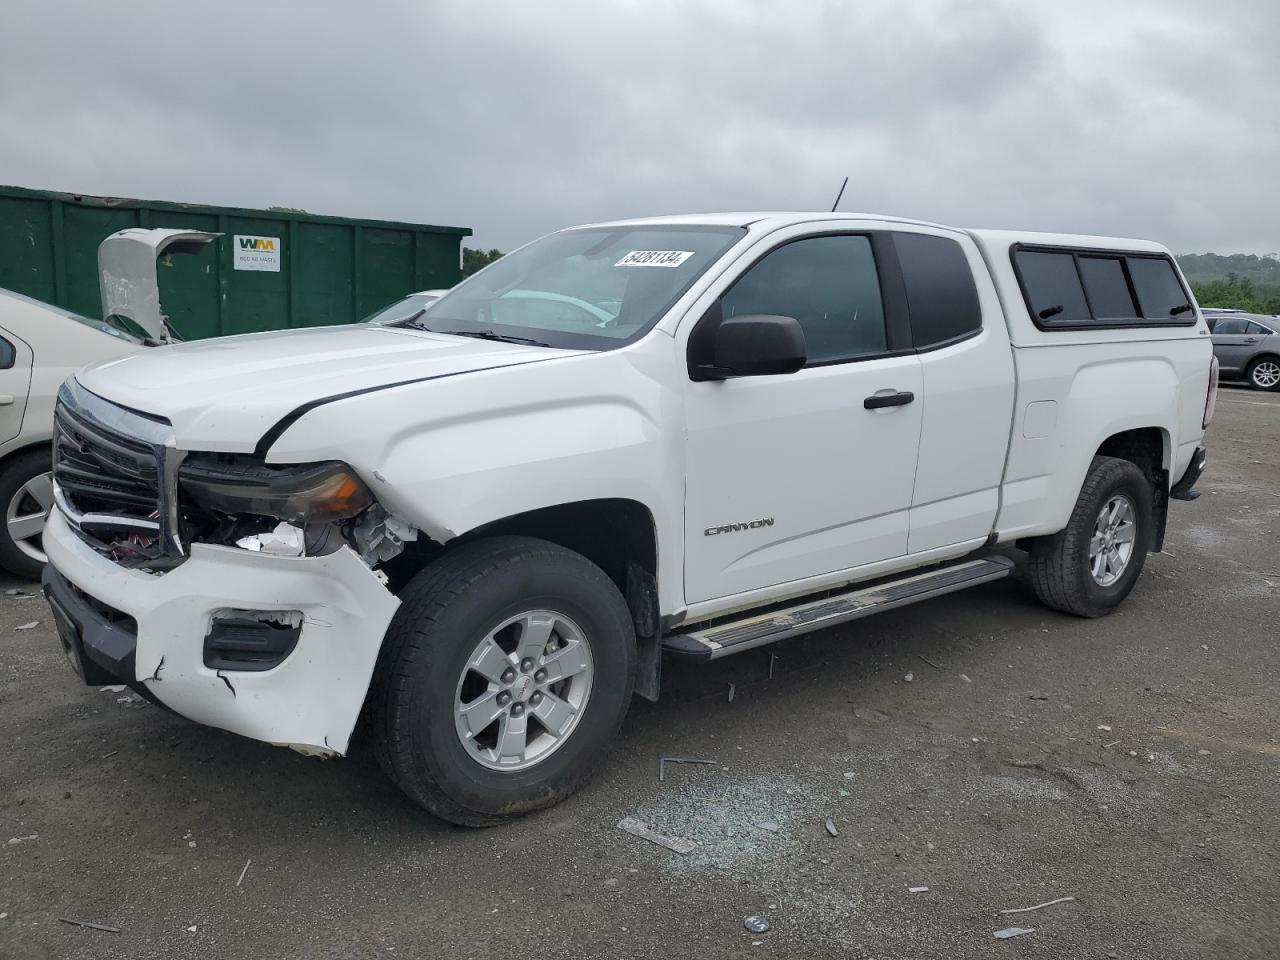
(992, 238)
(746, 218)
(997, 239)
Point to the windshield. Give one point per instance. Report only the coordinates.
(590, 289)
(410, 306)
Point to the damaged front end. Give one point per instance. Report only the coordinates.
(217, 583)
(289, 510)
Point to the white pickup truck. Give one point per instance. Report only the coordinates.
(482, 527)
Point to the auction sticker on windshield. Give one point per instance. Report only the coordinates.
(654, 258)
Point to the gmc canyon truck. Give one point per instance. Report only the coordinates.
(479, 529)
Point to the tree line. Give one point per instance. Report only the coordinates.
(1241, 280)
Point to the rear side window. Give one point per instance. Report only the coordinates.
(941, 298)
(1159, 293)
(1106, 288)
(1055, 295)
(1259, 329)
(7, 354)
(1066, 288)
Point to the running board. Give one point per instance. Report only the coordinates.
(713, 642)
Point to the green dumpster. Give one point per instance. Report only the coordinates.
(270, 270)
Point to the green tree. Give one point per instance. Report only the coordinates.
(1239, 292)
(473, 260)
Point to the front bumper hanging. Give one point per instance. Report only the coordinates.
(279, 649)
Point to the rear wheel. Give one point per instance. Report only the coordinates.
(1090, 567)
(1264, 373)
(503, 678)
(26, 491)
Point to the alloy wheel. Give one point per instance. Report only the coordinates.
(1266, 374)
(1111, 545)
(27, 513)
(523, 690)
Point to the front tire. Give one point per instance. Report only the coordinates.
(1090, 567)
(503, 678)
(1264, 374)
(26, 492)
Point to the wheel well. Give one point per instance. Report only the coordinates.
(620, 538)
(13, 454)
(1261, 356)
(610, 533)
(1145, 447)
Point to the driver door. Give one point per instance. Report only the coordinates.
(792, 476)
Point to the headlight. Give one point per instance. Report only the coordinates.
(302, 493)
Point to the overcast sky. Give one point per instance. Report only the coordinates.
(1149, 118)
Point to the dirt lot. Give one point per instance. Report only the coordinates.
(1131, 763)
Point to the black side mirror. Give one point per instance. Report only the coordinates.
(756, 345)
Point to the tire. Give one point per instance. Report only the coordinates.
(1264, 374)
(1061, 569)
(25, 499)
(425, 670)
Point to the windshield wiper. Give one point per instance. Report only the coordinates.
(1177, 311)
(410, 320)
(492, 335)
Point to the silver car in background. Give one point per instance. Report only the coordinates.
(1247, 347)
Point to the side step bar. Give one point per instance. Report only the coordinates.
(713, 642)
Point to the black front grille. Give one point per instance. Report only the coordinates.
(105, 473)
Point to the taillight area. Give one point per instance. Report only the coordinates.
(1211, 399)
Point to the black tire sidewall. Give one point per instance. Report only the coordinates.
(15, 473)
(1125, 479)
(557, 581)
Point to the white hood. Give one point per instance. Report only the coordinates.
(222, 395)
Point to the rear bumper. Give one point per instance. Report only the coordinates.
(149, 632)
(1183, 489)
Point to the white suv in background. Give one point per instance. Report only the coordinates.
(40, 346)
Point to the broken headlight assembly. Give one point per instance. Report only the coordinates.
(301, 509)
(299, 493)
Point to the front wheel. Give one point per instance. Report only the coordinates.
(1090, 567)
(504, 676)
(26, 491)
(1264, 373)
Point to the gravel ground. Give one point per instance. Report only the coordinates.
(1131, 763)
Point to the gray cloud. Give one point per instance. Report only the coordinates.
(1150, 118)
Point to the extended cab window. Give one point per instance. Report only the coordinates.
(828, 284)
(941, 297)
(1068, 288)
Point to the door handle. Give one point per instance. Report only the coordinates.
(1251, 340)
(6, 399)
(878, 400)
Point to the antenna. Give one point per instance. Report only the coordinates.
(840, 194)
